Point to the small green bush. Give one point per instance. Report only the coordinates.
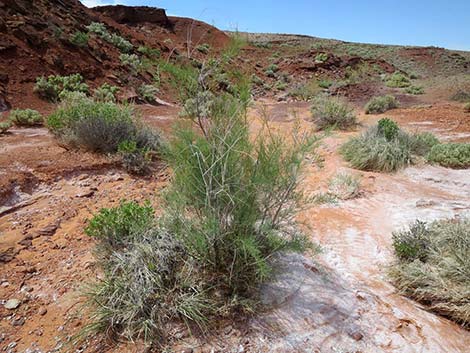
(147, 92)
(97, 28)
(97, 126)
(321, 57)
(4, 126)
(53, 87)
(421, 143)
(132, 61)
(412, 244)
(450, 155)
(331, 112)
(281, 86)
(397, 80)
(80, 39)
(115, 227)
(416, 90)
(152, 53)
(388, 128)
(433, 266)
(106, 93)
(381, 104)
(25, 117)
(203, 48)
(325, 84)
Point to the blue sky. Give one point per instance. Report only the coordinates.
(407, 22)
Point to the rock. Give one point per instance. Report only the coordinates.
(425, 203)
(42, 311)
(49, 230)
(27, 240)
(88, 193)
(356, 335)
(12, 304)
(135, 14)
(18, 321)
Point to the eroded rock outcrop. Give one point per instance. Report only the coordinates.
(135, 14)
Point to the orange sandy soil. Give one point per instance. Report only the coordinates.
(48, 193)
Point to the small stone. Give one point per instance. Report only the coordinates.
(42, 311)
(12, 304)
(27, 289)
(356, 335)
(18, 321)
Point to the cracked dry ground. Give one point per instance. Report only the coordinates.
(339, 301)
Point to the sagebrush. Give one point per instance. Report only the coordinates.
(329, 112)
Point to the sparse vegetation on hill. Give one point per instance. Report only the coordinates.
(381, 104)
(329, 112)
(414, 90)
(106, 93)
(433, 266)
(119, 42)
(80, 39)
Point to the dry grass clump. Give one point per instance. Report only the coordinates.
(345, 186)
(433, 266)
(386, 148)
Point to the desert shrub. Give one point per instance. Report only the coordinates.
(433, 266)
(256, 80)
(132, 61)
(25, 117)
(4, 126)
(397, 80)
(451, 155)
(281, 86)
(461, 96)
(80, 39)
(416, 90)
(153, 53)
(119, 42)
(332, 112)
(97, 28)
(199, 107)
(388, 128)
(381, 104)
(228, 209)
(271, 70)
(411, 244)
(466, 108)
(321, 57)
(203, 48)
(115, 227)
(305, 91)
(344, 186)
(421, 143)
(106, 93)
(383, 147)
(54, 86)
(325, 84)
(147, 92)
